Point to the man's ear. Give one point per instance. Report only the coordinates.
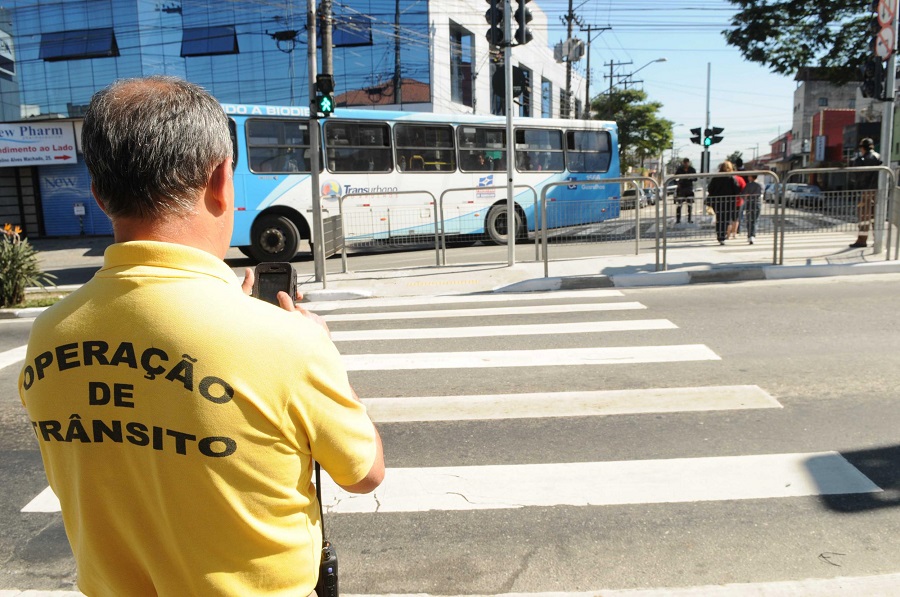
(97, 198)
(220, 187)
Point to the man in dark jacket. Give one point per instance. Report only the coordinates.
(684, 192)
(867, 184)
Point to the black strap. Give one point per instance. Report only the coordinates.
(319, 497)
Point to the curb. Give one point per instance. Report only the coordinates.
(781, 272)
(666, 278)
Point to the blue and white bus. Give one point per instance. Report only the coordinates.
(370, 159)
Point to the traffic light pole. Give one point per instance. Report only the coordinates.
(887, 132)
(704, 158)
(511, 227)
(318, 228)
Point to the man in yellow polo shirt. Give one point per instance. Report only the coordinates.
(178, 418)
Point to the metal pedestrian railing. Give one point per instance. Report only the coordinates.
(783, 209)
(766, 222)
(842, 205)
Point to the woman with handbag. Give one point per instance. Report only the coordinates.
(722, 198)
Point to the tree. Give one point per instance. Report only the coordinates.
(642, 133)
(787, 35)
(735, 156)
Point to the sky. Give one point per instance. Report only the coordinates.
(752, 104)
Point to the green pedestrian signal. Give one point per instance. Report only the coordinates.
(325, 104)
(325, 94)
(711, 136)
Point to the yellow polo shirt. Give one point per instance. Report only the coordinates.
(178, 420)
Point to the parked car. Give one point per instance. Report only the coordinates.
(795, 194)
(628, 198)
(802, 195)
(771, 192)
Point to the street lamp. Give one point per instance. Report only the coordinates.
(648, 64)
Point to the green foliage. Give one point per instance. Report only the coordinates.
(19, 267)
(642, 133)
(787, 35)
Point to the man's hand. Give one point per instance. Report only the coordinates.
(285, 302)
(247, 284)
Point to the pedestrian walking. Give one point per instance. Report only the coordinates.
(750, 208)
(722, 192)
(684, 191)
(867, 185)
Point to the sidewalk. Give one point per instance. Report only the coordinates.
(696, 262)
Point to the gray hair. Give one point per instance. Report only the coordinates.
(151, 144)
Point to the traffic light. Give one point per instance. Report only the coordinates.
(711, 136)
(873, 75)
(696, 135)
(325, 95)
(494, 18)
(523, 17)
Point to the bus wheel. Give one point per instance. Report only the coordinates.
(497, 225)
(274, 238)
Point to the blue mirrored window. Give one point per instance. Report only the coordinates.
(209, 41)
(78, 44)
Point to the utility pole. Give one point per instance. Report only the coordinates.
(569, 18)
(327, 43)
(612, 64)
(398, 83)
(587, 86)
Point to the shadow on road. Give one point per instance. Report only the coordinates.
(880, 465)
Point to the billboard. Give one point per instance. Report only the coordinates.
(37, 143)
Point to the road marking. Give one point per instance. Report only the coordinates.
(504, 330)
(675, 480)
(530, 358)
(45, 501)
(883, 585)
(567, 404)
(486, 312)
(406, 301)
(11, 357)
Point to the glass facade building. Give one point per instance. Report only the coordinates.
(241, 51)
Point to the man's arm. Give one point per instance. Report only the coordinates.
(375, 475)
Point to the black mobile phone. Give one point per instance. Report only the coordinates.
(270, 278)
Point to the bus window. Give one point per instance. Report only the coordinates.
(358, 146)
(278, 145)
(539, 149)
(481, 149)
(424, 147)
(588, 151)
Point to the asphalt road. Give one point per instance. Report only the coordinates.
(824, 351)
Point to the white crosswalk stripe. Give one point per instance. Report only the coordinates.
(12, 357)
(487, 312)
(567, 404)
(584, 327)
(603, 483)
